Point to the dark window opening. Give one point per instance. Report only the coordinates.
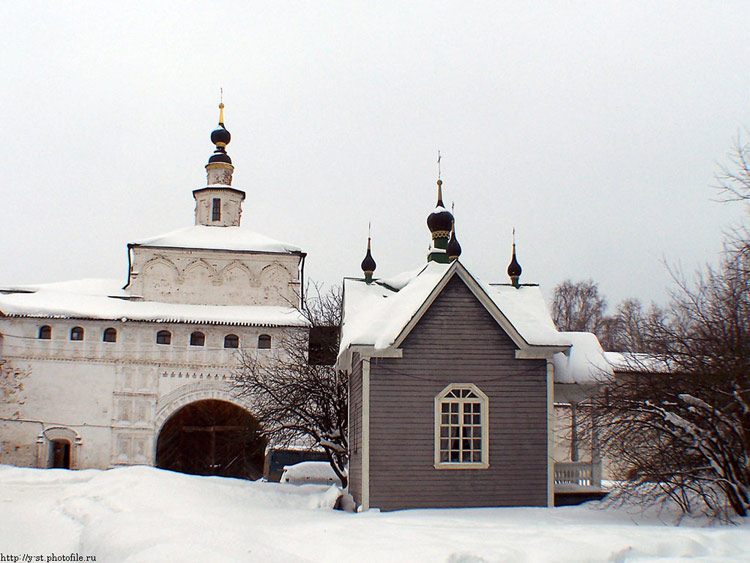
(231, 341)
(45, 332)
(264, 342)
(76, 333)
(323, 346)
(163, 337)
(197, 339)
(216, 211)
(60, 454)
(110, 335)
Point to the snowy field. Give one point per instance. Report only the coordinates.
(145, 514)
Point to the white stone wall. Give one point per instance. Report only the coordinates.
(110, 398)
(213, 277)
(231, 207)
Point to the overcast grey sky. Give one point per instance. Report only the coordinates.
(593, 128)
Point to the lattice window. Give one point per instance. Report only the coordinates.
(231, 341)
(76, 333)
(461, 428)
(110, 335)
(216, 210)
(45, 332)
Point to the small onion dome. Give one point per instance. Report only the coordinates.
(439, 221)
(221, 138)
(368, 264)
(514, 268)
(453, 249)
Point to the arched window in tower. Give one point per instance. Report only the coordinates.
(110, 335)
(197, 339)
(164, 337)
(45, 332)
(76, 333)
(216, 211)
(231, 341)
(264, 342)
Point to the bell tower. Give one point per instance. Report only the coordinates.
(219, 204)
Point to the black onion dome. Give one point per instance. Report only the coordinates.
(220, 137)
(453, 249)
(514, 268)
(440, 220)
(368, 264)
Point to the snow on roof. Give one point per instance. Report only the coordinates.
(219, 238)
(376, 313)
(633, 362)
(104, 299)
(584, 363)
(527, 311)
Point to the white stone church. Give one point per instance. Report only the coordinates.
(105, 364)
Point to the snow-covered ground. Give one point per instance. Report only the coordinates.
(145, 514)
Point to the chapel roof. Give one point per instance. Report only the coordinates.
(376, 315)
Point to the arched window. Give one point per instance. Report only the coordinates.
(461, 428)
(76, 333)
(45, 332)
(264, 342)
(110, 335)
(197, 339)
(231, 341)
(163, 337)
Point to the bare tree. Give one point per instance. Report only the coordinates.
(679, 424)
(578, 307)
(630, 328)
(294, 398)
(733, 180)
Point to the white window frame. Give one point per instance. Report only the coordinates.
(484, 413)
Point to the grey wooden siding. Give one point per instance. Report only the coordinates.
(457, 341)
(355, 429)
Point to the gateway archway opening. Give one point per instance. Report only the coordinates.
(212, 437)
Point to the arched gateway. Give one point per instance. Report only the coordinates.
(212, 437)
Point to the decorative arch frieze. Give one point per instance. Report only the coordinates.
(275, 267)
(199, 263)
(161, 260)
(233, 266)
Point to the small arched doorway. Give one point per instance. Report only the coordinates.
(212, 437)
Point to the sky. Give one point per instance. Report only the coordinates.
(595, 129)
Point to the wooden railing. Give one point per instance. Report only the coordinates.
(582, 473)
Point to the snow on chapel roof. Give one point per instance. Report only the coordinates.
(375, 314)
(104, 299)
(219, 238)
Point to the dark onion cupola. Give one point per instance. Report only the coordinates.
(219, 167)
(453, 249)
(440, 223)
(514, 268)
(368, 264)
